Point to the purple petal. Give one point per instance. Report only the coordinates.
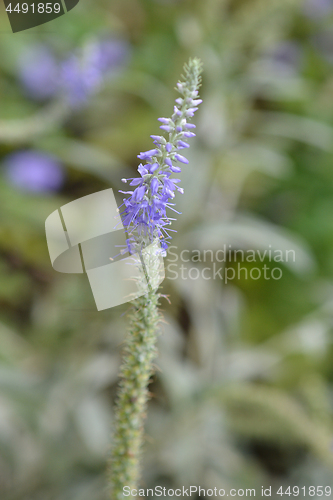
(139, 193)
(175, 169)
(148, 154)
(181, 158)
(154, 185)
(190, 112)
(177, 111)
(153, 167)
(167, 128)
(158, 138)
(182, 145)
(169, 184)
(142, 170)
(166, 121)
(136, 182)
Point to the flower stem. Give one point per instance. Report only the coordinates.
(135, 373)
(146, 222)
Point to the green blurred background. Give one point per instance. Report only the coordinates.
(243, 395)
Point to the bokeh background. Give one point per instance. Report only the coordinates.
(243, 395)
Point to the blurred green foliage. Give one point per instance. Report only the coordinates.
(243, 393)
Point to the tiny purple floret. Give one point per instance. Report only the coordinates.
(167, 128)
(146, 155)
(181, 158)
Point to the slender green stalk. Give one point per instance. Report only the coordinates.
(131, 404)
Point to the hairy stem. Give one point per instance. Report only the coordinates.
(135, 374)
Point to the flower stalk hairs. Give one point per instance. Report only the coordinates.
(146, 219)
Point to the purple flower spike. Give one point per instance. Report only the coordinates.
(75, 78)
(181, 158)
(145, 214)
(34, 171)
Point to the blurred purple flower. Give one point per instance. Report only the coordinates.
(78, 76)
(81, 77)
(75, 83)
(287, 53)
(324, 44)
(38, 72)
(113, 53)
(34, 171)
(316, 9)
